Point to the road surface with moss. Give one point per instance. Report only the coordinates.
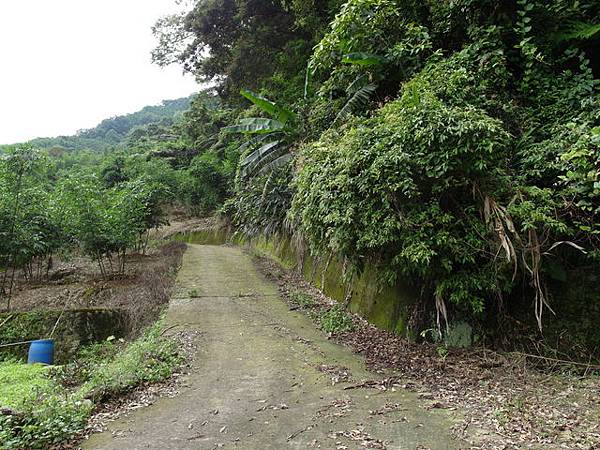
(265, 377)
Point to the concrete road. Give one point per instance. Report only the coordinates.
(264, 377)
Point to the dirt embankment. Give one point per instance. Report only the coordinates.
(76, 283)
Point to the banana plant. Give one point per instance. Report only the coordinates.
(272, 136)
(360, 91)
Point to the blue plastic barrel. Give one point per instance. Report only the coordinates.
(41, 352)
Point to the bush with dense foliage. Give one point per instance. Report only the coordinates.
(45, 407)
(478, 176)
(455, 144)
(404, 186)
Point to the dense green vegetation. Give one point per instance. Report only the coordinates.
(46, 406)
(453, 144)
(46, 212)
(19, 382)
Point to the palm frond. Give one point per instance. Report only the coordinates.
(358, 83)
(277, 163)
(252, 142)
(358, 101)
(262, 161)
(259, 153)
(577, 31)
(255, 125)
(364, 59)
(276, 110)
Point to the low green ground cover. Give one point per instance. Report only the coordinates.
(332, 320)
(46, 406)
(20, 382)
(336, 320)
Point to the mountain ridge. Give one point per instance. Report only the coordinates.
(113, 131)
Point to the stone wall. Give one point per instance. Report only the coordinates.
(75, 328)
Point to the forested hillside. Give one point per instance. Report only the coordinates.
(115, 131)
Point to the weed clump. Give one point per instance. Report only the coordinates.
(43, 407)
(303, 300)
(336, 320)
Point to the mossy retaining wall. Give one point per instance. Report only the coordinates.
(75, 328)
(384, 306)
(574, 328)
(576, 301)
(387, 307)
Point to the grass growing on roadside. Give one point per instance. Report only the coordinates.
(50, 405)
(20, 383)
(150, 359)
(336, 320)
(301, 299)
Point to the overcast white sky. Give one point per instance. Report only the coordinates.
(67, 64)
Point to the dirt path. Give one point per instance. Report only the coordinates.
(265, 378)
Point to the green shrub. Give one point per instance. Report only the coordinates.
(50, 408)
(369, 26)
(204, 183)
(400, 187)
